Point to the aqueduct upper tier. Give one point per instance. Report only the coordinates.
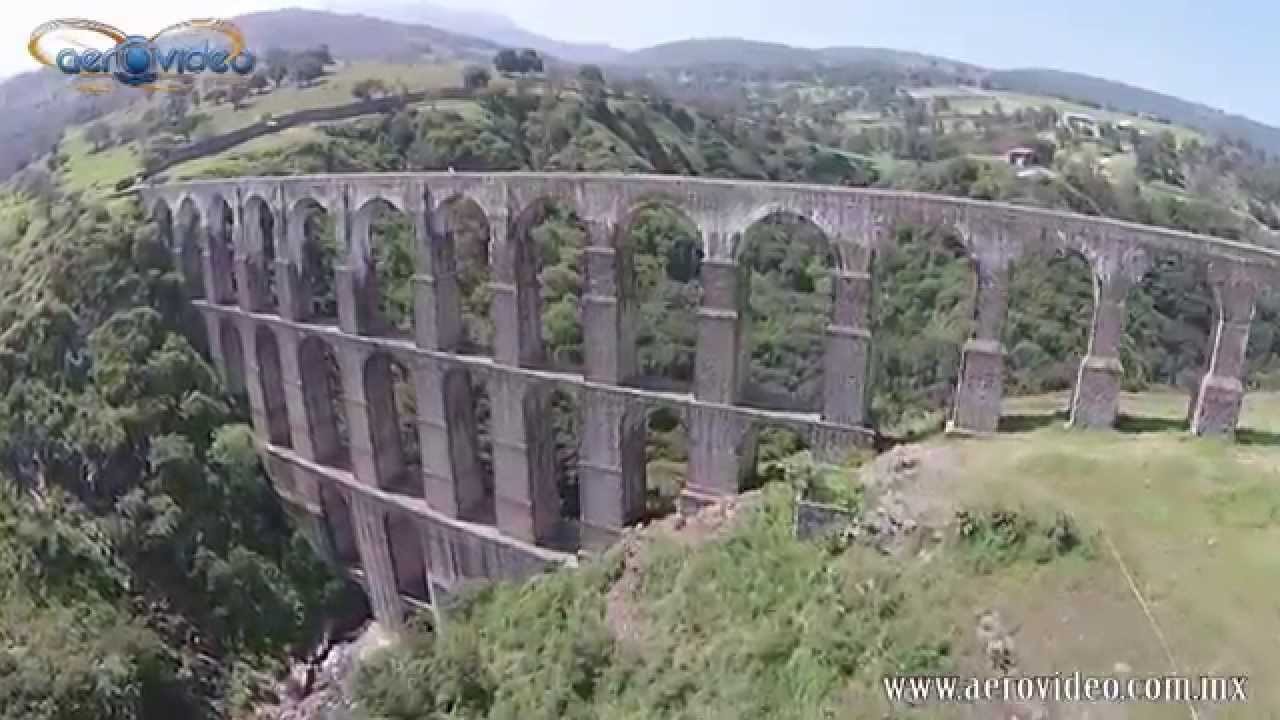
(423, 522)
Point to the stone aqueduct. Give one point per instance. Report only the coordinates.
(408, 528)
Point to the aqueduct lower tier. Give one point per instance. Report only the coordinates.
(407, 526)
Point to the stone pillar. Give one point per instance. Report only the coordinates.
(1096, 396)
(977, 401)
(721, 444)
(1216, 406)
(356, 278)
(377, 458)
(527, 498)
(611, 472)
(217, 265)
(848, 352)
(516, 305)
(608, 313)
(374, 546)
(213, 328)
(447, 427)
(313, 427)
(251, 270)
(293, 297)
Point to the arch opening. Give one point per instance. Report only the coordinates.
(232, 355)
(548, 263)
(464, 255)
(408, 556)
(221, 236)
(260, 241)
(666, 460)
(338, 523)
(924, 289)
(1165, 350)
(272, 378)
(788, 308)
(386, 283)
(188, 248)
(317, 242)
(666, 275)
(325, 404)
(392, 410)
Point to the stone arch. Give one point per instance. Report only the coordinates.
(379, 377)
(260, 253)
(189, 246)
(461, 269)
(314, 251)
(339, 525)
(1052, 296)
(408, 556)
(232, 354)
(1171, 308)
(381, 264)
(324, 402)
(220, 232)
(662, 251)
(162, 215)
(666, 459)
(924, 285)
(271, 377)
(543, 259)
(786, 266)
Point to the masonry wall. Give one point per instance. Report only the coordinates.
(319, 388)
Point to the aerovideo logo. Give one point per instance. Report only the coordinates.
(96, 53)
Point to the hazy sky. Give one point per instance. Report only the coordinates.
(1221, 53)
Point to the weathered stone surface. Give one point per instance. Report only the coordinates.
(321, 396)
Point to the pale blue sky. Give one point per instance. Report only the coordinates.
(1222, 53)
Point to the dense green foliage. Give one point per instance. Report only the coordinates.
(143, 558)
(751, 624)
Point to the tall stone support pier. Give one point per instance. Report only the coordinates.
(1216, 405)
(526, 496)
(611, 469)
(848, 351)
(447, 427)
(722, 447)
(978, 396)
(1096, 396)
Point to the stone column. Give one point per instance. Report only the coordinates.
(721, 445)
(848, 352)
(377, 458)
(516, 305)
(213, 328)
(447, 427)
(355, 277)
(527, 498)
(251, 271)
(374, 546)
(217, 265)
(611, 472)
(1096, 396)
(977, 401)
(1216, 406)
(293, 297)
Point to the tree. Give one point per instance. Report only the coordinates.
(99, 135)
(278, 61)
(591, 75)
(259, 81)
(306, 68)
(475, 77)
(530, 61)
(507, 61)
(237, 93)
(368, 88)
